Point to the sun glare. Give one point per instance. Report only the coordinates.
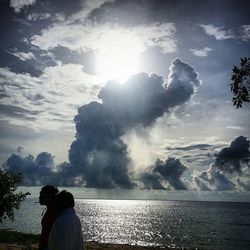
(118, 55)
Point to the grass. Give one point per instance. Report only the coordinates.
(7, 236)
(12, 240)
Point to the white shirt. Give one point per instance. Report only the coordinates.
(66, 233)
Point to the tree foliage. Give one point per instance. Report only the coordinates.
(9, 200)
(240, 83)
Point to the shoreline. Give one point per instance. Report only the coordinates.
(13, 240)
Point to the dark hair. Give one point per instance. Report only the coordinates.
(64, 200)
(50, 190)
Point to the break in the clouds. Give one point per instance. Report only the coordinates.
(201, 52)
(220, 33)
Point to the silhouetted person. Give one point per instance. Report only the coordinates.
(66, 233)
(47, 198)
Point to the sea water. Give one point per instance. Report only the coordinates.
(194, 224)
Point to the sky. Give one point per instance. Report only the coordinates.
(124, 94)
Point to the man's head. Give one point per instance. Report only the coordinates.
(64, 200)
(47, 195)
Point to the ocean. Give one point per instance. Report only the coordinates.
(196, 224)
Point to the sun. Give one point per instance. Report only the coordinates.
(118, 55)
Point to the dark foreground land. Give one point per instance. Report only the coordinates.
(11, 240)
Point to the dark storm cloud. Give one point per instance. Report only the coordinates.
(143, 98)
(151, 180)
(230, 159)
(35, 171)
(169, 171)
(41, 170)
(98, 156)
(98, 153)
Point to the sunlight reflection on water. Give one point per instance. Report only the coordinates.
(119, 221)
(209, 225)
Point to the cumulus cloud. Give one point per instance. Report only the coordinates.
(230, 170)
(18, 5)
(212, 179)
(218, 32)
(36, 171)
(169, 172)
(201, 52)
(232, 159)
(98, 156)
(41, 170)
(142, 99)
(98, 151)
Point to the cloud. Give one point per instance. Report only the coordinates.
(164, 175)
(231, 159)
(151, 180)
(52, 98)
(98, 151)
(142, 99)
(41, 170)
(24, 56)
(218, 32)
(84, 38)
(191, 147)
(35, 171)
(171, 171)
(88, 7)
(38, 16)
(201, 52)
(18, 5)
(98, 156)
(230, 170)
(245, 32)
(212, 179)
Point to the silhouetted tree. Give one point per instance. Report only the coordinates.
(240, 83)
(9, 200)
